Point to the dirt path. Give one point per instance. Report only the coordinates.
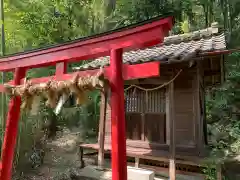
(61, 160)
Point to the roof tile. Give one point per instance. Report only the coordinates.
(175, 48)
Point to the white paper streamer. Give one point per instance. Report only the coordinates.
(60, 104)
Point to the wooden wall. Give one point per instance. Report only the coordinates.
(187, 106)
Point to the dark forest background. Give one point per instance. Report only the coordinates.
(31, 24)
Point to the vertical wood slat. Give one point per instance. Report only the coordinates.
(134, 96)
(102, 122)
(142, 104)
(172, 148)
(143, 127)
(127, 101)
(153, 98)
(167, 105)
(196, 105)
(138, 102)
(132, 100)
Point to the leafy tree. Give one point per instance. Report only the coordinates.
(33, 24)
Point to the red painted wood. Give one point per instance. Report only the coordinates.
(138, 71)
(61, 68)
(145, 70)
(119, 162)
(138, 37)
(10, 136)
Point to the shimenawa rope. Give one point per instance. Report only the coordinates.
(156, 88)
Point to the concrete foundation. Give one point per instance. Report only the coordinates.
(139, 174)
(133, 174)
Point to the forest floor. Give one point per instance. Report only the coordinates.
(61, 161)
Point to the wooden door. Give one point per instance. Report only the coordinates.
(146, 115)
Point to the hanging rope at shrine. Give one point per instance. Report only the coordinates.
(152, 89)
(156, 88)
(55, 91)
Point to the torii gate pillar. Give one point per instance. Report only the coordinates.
(119, 170)
(11, 131)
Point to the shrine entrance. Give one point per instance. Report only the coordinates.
(114, 43)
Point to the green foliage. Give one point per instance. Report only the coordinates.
(185, 26)
(224, 107)
(210, 172)
(223, 114)
(31, 24)
(85, 117)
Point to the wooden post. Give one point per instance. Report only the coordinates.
(197, 110)
(119, 163)
(172, 148)
(168, 116)
(219, 171)
(61, 68)
(102, 123)
(137, 162)
(10, 137)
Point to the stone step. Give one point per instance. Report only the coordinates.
(106, 174)
(139, 174)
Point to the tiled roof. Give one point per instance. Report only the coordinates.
(174, 48)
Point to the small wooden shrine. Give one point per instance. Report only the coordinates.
(165, 115)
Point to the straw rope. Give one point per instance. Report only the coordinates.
(156, 88)
(152, 89)
(53, 90)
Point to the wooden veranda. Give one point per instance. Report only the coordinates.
(113, 43)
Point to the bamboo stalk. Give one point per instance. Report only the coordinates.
(3, 96)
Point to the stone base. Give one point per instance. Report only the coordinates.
(139, 174)
(105, 174)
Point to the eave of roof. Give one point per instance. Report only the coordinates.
(174, 48)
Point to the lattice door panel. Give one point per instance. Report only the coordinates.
(141, 101)
(134, 100)
(146, 114)
(155, 101)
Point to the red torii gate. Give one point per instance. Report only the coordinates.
(114, 43)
